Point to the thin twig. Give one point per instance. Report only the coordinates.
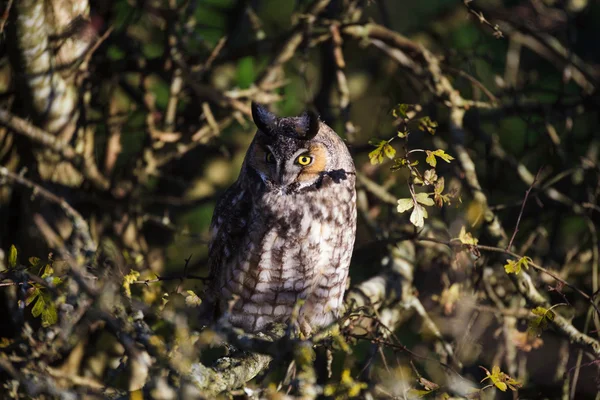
(522, 209)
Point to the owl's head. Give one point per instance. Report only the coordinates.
(296, 152)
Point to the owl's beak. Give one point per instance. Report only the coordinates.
(286, 178)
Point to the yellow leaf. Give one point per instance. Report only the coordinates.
(417, 217)
(136, 395)
(515, 267)
(376, 156)
(442, 154)
(12, 256)
(466, 238)
(430, 158)
(427, 125)
(192, 299)
(539, 311)
(405, 205)
(389, 151)
(128, 279)
(424, 199)
(430, 176)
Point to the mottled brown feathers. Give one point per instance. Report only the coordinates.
(284, 232)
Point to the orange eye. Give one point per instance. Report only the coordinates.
(269, 159)
(304, 160)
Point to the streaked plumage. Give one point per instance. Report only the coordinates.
(284, 231)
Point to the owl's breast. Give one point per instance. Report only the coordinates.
(296, 246)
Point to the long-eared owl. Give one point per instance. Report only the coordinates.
(283, 233)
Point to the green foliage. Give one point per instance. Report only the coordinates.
(404, 113)
(543, 317)
(44, 305)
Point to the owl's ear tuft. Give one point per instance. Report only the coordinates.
(308, 125)
(263, 118)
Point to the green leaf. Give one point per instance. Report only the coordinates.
(401, 111)
(12, 256)
(539, 323)
(49, 314)
(39, 306)
(405, 204)
(32, 295)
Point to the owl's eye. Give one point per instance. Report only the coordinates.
(304, 160)
(269, 158)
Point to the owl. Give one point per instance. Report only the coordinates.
(283, 233)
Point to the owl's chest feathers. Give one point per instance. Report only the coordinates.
(294, 241)
(305, 217)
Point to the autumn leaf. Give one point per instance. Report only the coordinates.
(424, 199)
(346, 388)
(389, 151)
(430, 176)
(442, 154)
(501, 380)
(417, 217)
(192, 299)
(430, 159)
(427, 125)
(128, 279)
(466, 238)
(382, 148)
(515, 267)
(524, 341)
(449, 298)
(405, 205)
(438, 196)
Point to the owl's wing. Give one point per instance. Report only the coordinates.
(228, 226)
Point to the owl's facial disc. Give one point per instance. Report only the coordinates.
(289, 167)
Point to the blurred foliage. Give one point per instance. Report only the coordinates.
(169, 150)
